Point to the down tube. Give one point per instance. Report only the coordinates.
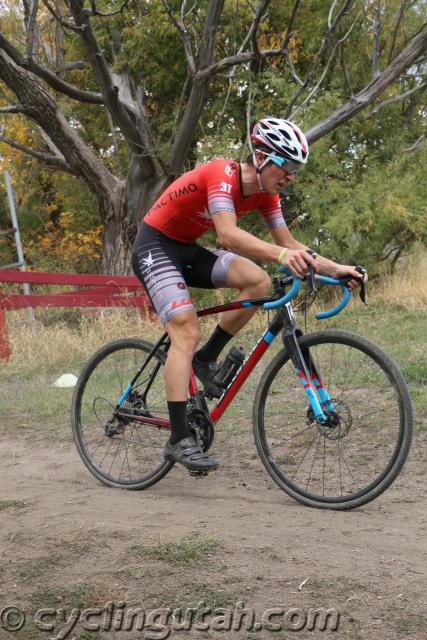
(228, 395)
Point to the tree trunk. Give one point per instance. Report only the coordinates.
(122, 216)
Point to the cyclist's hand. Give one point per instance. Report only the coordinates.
(298, 261)
(342, 270)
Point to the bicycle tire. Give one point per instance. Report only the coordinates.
(132, 352)
(376, 425)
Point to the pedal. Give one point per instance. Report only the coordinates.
(195, 473)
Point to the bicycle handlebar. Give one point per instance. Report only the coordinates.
(296, 284)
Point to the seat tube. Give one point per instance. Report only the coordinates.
(290, 341)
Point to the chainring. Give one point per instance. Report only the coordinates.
(201, 425)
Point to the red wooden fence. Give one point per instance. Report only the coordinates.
(99, 291)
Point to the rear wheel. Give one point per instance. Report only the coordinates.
(360, 450)
(118, 447)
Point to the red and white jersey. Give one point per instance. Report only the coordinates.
(184, 211)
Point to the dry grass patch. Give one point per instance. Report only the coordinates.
(190, 551)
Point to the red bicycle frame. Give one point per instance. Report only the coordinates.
(284, 317)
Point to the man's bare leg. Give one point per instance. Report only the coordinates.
(252, 282)
(184, 333)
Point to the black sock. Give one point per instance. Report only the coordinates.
(178, 420)
(214, 346)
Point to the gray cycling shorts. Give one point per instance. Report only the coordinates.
(166, 267)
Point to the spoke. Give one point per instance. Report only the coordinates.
(328, 386)
(143, 446)
(349, 470)
(290, 419)
(324, 459)
(292, 437)
(106, 453)
(115, 456)
(302, 459)
(312, 465)
(127, 460)
(101, 439)
(339, 463)
(124, 460)
(346, 374)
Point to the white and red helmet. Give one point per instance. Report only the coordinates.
(282, 137)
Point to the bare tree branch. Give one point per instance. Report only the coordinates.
(226, 63)
(293, 72)
(59, 47)
(185, 37)
(331, 12)
(396, 29)
(248, 119)
(50, 144)
(326, 69)
(257, 14)
(180, 108)
(318, 56)
(115, 142)
(75, 64)
(43, 72)
(53, 161)
(40, 106)
(376, 45)
(251, 36)
(285, 44)
(31, 30)
(58, 17)
(224, 106)
(289, 28)
(12, 109)
(410, 54)
(199, 89)
(345, 72)
(397, 98)
(95, 11)
(210, 29)
(416, 144)
(110, 92)
(64, 87)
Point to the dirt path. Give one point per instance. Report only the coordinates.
(66, 541)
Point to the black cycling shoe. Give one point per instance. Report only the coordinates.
(188, 453)
(206, 372)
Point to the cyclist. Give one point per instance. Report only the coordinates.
(167, 258)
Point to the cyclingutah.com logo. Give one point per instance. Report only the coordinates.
(158, 624)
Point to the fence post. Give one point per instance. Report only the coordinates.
(4, 338)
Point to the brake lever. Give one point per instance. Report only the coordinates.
(311, 273)
(362, 290)
(310, 280)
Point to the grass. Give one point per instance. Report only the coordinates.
(79, 596)
(37, 567)
(13, 504)
(191, 551)
(192, 592)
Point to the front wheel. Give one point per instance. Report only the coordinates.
(360, 450)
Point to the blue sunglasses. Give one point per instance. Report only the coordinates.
(291, 166)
